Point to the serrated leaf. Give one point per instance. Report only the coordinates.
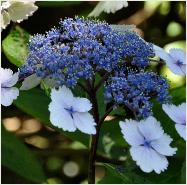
(35, 103)
(15, 46)
(17, 157)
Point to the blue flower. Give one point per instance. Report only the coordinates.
(149, 144)
(136, 89)
(78, 48)
(70, 113)
(175, 59)
(178, 115)
(8, 92)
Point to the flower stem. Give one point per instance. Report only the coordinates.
(95, 138)
(92, 158)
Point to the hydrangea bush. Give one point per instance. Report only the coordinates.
(92, 55)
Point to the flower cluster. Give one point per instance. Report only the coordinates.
(79, 47)
(135, 90)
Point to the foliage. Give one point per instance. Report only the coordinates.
(15, 46)
(20, 159)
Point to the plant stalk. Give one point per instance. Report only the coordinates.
(95, 138)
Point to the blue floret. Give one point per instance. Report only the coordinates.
(79, 48)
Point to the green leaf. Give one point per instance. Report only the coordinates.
(35, 103)
(110, 177)
(15, 46)
(178, 95)
(116, 176)
(170, 176)
(112, 129)
(120, 111)
(183, 173)
(111, 141)
(17, 157)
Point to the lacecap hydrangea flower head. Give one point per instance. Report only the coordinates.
(77, 50)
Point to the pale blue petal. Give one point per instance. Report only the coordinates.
(159, 162)
(130, 132)
(60, 118)
(8, 95)
(172, 58)
(150, 128)
(148, 159)
(181, 129)
(82, 105)
(162, 145)
(7, 78)
(62, 96)
(178, 54)
(176, 113)
(162, 54)
(84, 122)
(142, 156)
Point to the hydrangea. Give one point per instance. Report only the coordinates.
(135, 90)
(108, 7)
(178, 115)
(175, 59)
(70, 113)
(149, 144)
(79, 47)
(16, 11)
(8, 92)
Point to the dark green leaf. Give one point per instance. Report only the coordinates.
(178, 95)
(17, 157)
(120, 111)
(35, 103)
(183, 173)
(170, 176)
(112, 129)
(116, 175)
(15, 46)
